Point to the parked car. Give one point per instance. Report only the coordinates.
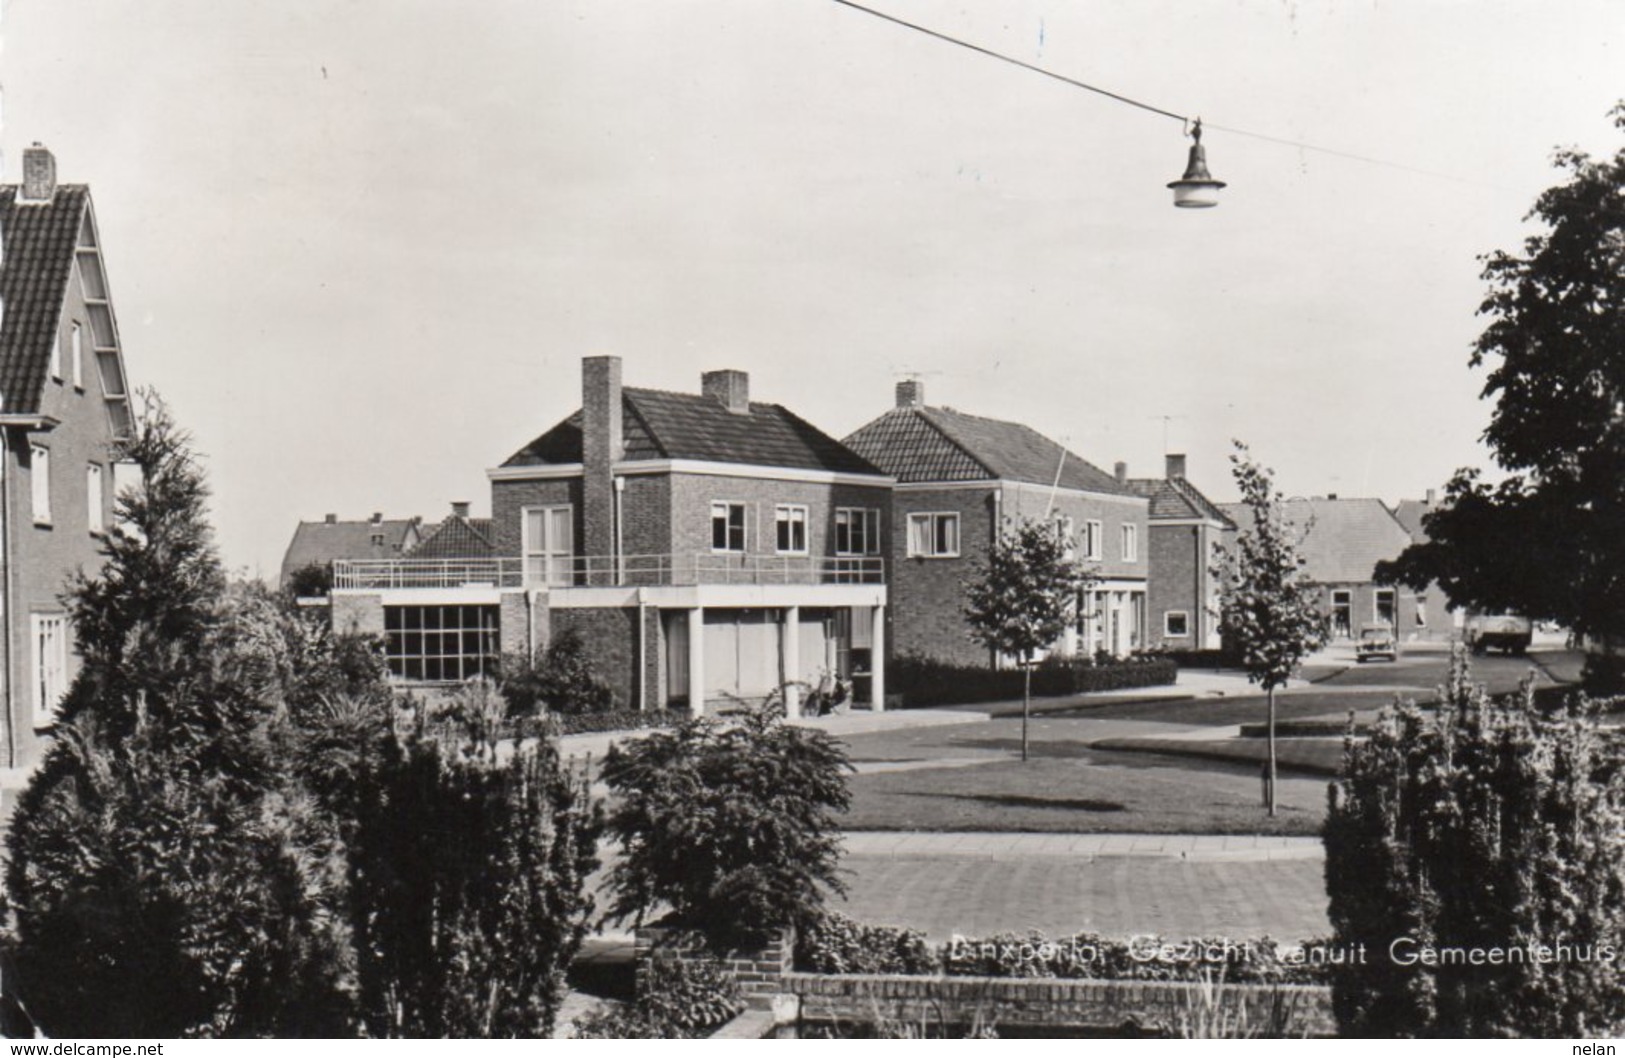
(1376, 641)
(1506, 632)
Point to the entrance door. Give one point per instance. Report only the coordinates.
(1342, 613)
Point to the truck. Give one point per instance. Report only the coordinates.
(1506, 632)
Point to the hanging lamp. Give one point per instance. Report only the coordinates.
(1196, 189)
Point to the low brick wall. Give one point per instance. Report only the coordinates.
(761, 972)
(1036, 1001)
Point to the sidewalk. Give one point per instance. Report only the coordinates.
(1082, 847)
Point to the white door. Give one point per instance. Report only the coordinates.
(549, 547)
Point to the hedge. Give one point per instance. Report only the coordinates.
(840, 945)
(925, 682)
(557, 724)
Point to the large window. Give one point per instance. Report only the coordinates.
(50, 656)
(1131, 543)
(549, 546)
(727, 526)
(94, 501)
(857, 531)
(790, 529)
(933, 535)
(40, 482)
(441, 644)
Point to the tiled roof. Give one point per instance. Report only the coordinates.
(458, 537)
(941, 444)
(322, 542)
(1177, 498)
(1344, 538)
(39, 244)
(660, 425)
(1409, 514)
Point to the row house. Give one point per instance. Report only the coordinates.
(1186, 531)
(64, 403)
(959, 479)
(706, 548)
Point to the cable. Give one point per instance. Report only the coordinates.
(1147, 106)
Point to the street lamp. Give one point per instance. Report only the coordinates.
(1196, 189)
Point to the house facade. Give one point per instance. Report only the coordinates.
(706, 548)
(64, 402)
(1437, 617)
(333, 539)
(1342, 542)
(959, 479)
(1186, 528)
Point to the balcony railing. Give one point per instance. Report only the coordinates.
(603, 571)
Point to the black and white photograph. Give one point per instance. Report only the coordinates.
(811, 519)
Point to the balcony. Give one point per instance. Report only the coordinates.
(603, 571)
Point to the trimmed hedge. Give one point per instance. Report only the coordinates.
(838, 945)
(554, 725)
(925, 682)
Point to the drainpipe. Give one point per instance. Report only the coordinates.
(6, 599)
(620, 508)
(643, 647)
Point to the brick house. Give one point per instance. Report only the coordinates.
(1343, 541)
(1437, 617)
(959, 477)
(1182, 593)
(64, 401)
(332, 539)
(705, 546)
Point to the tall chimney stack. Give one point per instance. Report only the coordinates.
(39, 174)
(459, 508)
(602, 446)
(1120, 471)
(911, 393)
(1176, 465)
(730, 388)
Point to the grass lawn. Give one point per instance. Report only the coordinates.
(1317, 756)
(1085, 791)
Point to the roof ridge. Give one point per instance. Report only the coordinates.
(924, 413)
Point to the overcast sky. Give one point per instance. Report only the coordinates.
(361, 245)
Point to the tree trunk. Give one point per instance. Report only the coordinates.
(1271, 726)
(1026, 702)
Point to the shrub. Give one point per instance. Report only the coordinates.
(1486, 826)
(836, 944)
(562, 682)
(733, 826)
(312, 580)
(683, 997)
(926, 681)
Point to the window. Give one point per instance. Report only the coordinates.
(76, 354)
(440, 644)
(857, 531)
(790, 528)
(40, 482)
(56, 360)
(1131, 543)
(549, 546)
(1176, 624)
(727, 526)
(1092, 540)
(1382, 606)
(95, 514)
(933, 535)
(50, 647)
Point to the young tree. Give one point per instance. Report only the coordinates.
(1023, 596)
(1269, 612)
(1549, 540)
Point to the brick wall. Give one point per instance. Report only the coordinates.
(1022, 501)
(1363, 608)
(692, 495)
(1176, 561)
(761, 972)
(509, 498)
(610, 635)
(926, 595)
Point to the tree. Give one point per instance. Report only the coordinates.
(1269, 611)
(731, 825)
(1023, 596)
(1483, 827)
(1549, 540)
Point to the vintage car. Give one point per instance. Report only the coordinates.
(1376, 641)
(1506, 632)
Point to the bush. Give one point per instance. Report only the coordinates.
(684, 997)
(1486, 827)
(563, 682)
(835, 944)
(925, 681)
(733, 826)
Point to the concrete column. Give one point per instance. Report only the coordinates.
(696, 661)
(877, 662)
(790, 652)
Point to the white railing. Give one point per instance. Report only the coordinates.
(604, 571)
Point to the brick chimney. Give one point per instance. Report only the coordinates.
(729, 388)
(331, 519)
(1433, 494)
(911, 393)
(602, 446)
(1120, 472)
(1175, 465)
(459, 508)
(39, 174)
(377, 517)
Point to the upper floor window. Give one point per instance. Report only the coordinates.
(76, 356)
(1131, 543)
(95, 512)
(548, 546)
(1092, 543)
(49, 640)
(933, 535)
(1068, 534)
(857, 531)
(790, 529)
(727, 526)
(40, 482)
